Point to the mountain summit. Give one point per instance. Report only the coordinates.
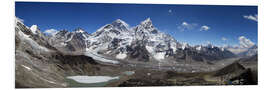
(122, 25)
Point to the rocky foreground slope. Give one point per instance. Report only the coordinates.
(38, 64)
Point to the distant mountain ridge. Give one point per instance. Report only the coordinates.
(143, 42)
(70, 41)
(243, 51)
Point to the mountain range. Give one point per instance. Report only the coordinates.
(46, 60)
(143, 42)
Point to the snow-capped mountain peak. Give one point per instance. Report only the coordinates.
(62, 32)
(34, 29)
(147, 23)
(115, 35)
(244, 42)
(116, 27)
(121, 24)
(146, 30)
(245, 48)
(80, 33)
(79, 30)
(184, 46)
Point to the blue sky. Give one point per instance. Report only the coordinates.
(194, 24)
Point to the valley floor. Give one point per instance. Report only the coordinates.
(82, 71)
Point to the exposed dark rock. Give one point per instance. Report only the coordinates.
(230, 69)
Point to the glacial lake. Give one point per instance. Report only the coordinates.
(90, 81)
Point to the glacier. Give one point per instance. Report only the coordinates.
(100, 58)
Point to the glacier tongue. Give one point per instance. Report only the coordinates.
(97, 57)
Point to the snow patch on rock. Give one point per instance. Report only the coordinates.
(150, 49)
(34, 29)
(28, 68)
(184, 46)
(121, 56)
(199, 48)
(159, 56)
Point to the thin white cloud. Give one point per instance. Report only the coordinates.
(186, 26)
(170, 11)
(50, 32)
(224, 39)
(204, 28)
(244, 42)
(251, 17)
(189, 26)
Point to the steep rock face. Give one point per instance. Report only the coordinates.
(118, 40)
(70, 42)
(138, 51)
(158, 44)
(211, 52)
(237, 74)
(59, 40)
(110, 39)
(202, 53)
(38, 36)
(233, 68)
(32, 64)
(29, 40)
